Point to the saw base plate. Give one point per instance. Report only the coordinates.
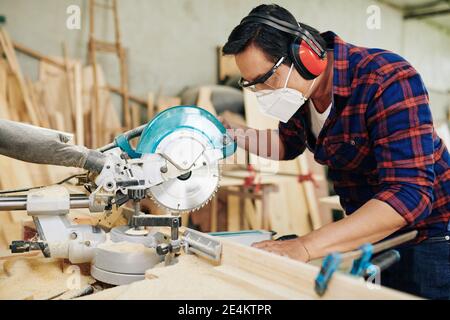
(126, 257)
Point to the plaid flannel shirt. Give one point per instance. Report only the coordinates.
(379, 141)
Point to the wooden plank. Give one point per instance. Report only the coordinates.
(15, 100)
(310, 193)
(131, 97)
(95, 104)
(8, 48)
(227, 66)
(34, 54)
(332, 202)
(321, 186)
(78, 101)
(3, 77)
(111, 125)
(37, 91)
(41, 114)
(68, 69)
(57, 96)
(299, 276)
(150, 106)
(252, 216)
(135, 115)
(167, 102)
(126, 109)
(233, 213)
(214, 213)
(204, 100)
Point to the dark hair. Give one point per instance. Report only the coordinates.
(274, 43)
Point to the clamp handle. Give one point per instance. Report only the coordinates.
(360, 265)
(329, 265)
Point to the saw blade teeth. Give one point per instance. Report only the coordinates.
(194, 209)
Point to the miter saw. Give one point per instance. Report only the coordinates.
(176, 163)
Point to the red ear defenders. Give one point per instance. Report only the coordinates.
(308, 56)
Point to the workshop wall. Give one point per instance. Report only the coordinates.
(172, 43)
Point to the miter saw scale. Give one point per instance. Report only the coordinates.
(176, 163)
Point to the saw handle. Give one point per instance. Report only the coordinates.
(120, 140)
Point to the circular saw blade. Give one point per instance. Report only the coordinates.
(190, 194)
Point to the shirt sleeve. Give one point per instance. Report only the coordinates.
(401, 128)
(292, 135)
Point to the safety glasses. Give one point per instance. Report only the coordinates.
(251, 85)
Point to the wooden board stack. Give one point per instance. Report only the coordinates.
(60, 99)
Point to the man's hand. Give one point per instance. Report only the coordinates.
(293, 249)
(371, 223)
(231, 129)
(225, 122)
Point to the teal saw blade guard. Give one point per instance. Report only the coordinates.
(186, 117)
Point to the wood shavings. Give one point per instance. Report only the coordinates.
(124, 247)
(189, 278)
(39, 278)
(137, 232)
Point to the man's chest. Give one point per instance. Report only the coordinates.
(344, 143)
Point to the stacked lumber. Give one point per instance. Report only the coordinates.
(54, 101)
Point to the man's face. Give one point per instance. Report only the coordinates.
(253, 63)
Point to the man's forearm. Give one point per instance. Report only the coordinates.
(371, 223)
(263, 143)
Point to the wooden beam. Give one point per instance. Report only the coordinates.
(78, 100)
(204, 100)
(299, 276)
(131, 97)
(34, 54)
(150, 106)
(8, 49)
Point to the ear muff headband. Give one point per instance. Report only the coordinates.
(288, 28)
(306, 53)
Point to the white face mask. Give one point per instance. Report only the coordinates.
(282, 103)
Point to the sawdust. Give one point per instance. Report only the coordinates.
(189, 278)
(124, 247)
(38, 278)
(137, 232)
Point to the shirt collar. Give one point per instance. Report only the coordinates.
(342, 77)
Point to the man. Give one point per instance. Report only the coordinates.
(364, 113)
